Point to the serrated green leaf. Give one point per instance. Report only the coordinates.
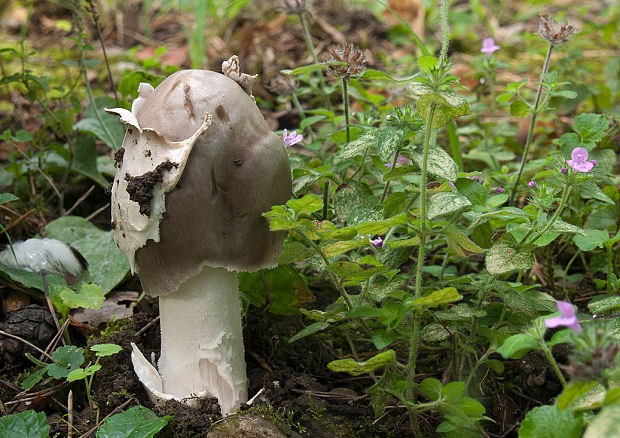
(103, 350)
(311, 329)
(304, 69)
(82, 373)
(90, 296)
(27, 424)
(431, 388)
(591, 190)
(383, 338)
(66, 359)
(7, 197)
(591, 239)
(135, 422)
(448, 105)
(427, 63)
(549, 422)
(591, 127)
(504, 257)
(515, 346)
(306, 205)
(33, 379)
(605, 304)
(357, 368)
(460, 243)
(439, 162)
(573, 392)
(389, 140)
(446, 202)
(497, 200)
(438, 297)
(338, 248)
(453, 391)
(356, 147)
(495, 365)
(434, 332)
(520, 109)
(294, 251)
(605, 424)
(381, 226)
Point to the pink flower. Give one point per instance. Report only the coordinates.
(579, 160)
(400, 159)
(377, 242)
(291, 139)
(489, 46)
(531, 184)
(500, 190)
(564, 170)
(567, 318)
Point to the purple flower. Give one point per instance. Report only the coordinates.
(579, 160)
(531, 184)
(500, 190)
(377, 242)
(567, 318)
(291, 139)
(400, 159)
(564, 170)
(489, 46)
(475, 178)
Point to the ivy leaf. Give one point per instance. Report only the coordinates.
(27, 424)
(357, 368)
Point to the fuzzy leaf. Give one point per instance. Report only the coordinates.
(438, 297)
(591, 239)
(504, 257)
(549, 422)
(445, 203)
(449, 105)
(356, 147)
(517, 345)
(439, 162)
(311, 329)
(573, 392)
(357, 368)
(389, 140)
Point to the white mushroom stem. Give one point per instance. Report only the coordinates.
(201, 339)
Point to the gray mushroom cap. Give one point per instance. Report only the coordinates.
(236, 170)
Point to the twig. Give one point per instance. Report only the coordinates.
(34, 395)
(9, 335)
(70, 414)
(118, 408)
(48, 299)
(146, 327)
(96, 212)
(263, 364)
(80, 200)
(19, 220)
(54, 342)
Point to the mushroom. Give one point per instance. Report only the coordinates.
(198, 167)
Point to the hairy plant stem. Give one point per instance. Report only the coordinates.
(325, 199)
(445, 31)
(413, 347)
(487, 127)
(556, 214)
(387, 185)
(312, 50)
(530, 133)
(345, 101)
(553, 363)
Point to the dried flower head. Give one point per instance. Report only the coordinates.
(293, 6)
(593, 366)
(555, 32)
(283, 85)
(354, 60)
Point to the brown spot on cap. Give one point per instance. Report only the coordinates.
(187, 103)
(222, 115)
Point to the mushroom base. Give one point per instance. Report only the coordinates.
(201, 343)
